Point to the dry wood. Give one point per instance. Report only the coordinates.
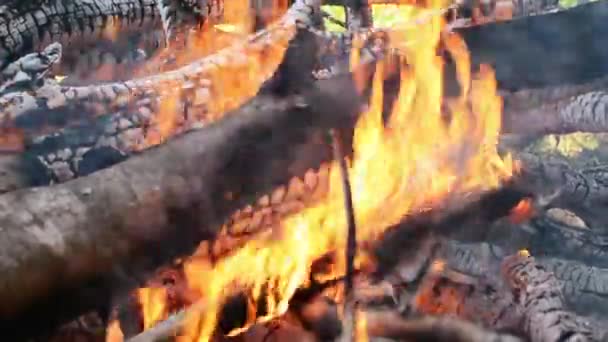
(89, 231)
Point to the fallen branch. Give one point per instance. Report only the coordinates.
(47, 254)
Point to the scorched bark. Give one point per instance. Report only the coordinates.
(64, 247)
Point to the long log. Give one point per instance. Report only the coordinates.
(66, 246)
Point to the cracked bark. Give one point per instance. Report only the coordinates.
(94, 26)
(539, 296)
(49, 257)
(583, 286)
(533, 302)
(259, 53)
(586, 112)
(584, 245)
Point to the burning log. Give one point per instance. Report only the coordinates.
(151, 198)
(197, 81)
(196, 197)
(521, 100)
(535, 304)
(59, 157)
(138, 113)
(88, 147)
(510, 46)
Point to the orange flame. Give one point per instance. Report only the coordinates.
(114, 333)
(153, 302)
(361, 327)
(418, 158)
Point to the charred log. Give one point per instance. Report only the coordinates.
(583, 286)
(586, 112)
(577, 186)
(487, 208)
(141, 203)
(539, 296)
(558, 240)
(534, 306)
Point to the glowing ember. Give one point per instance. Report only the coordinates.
(414, 161)
(523, 211)
(524, 253)
(438, 266)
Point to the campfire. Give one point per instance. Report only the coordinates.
(408, 165)
(269, 179)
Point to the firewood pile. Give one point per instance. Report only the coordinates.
(233, 171)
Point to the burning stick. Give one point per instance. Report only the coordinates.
(351, 239)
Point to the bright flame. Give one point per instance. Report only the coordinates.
(415, 160)
(114, 333)
(153, 302)
(361, 326)
(523, 211)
